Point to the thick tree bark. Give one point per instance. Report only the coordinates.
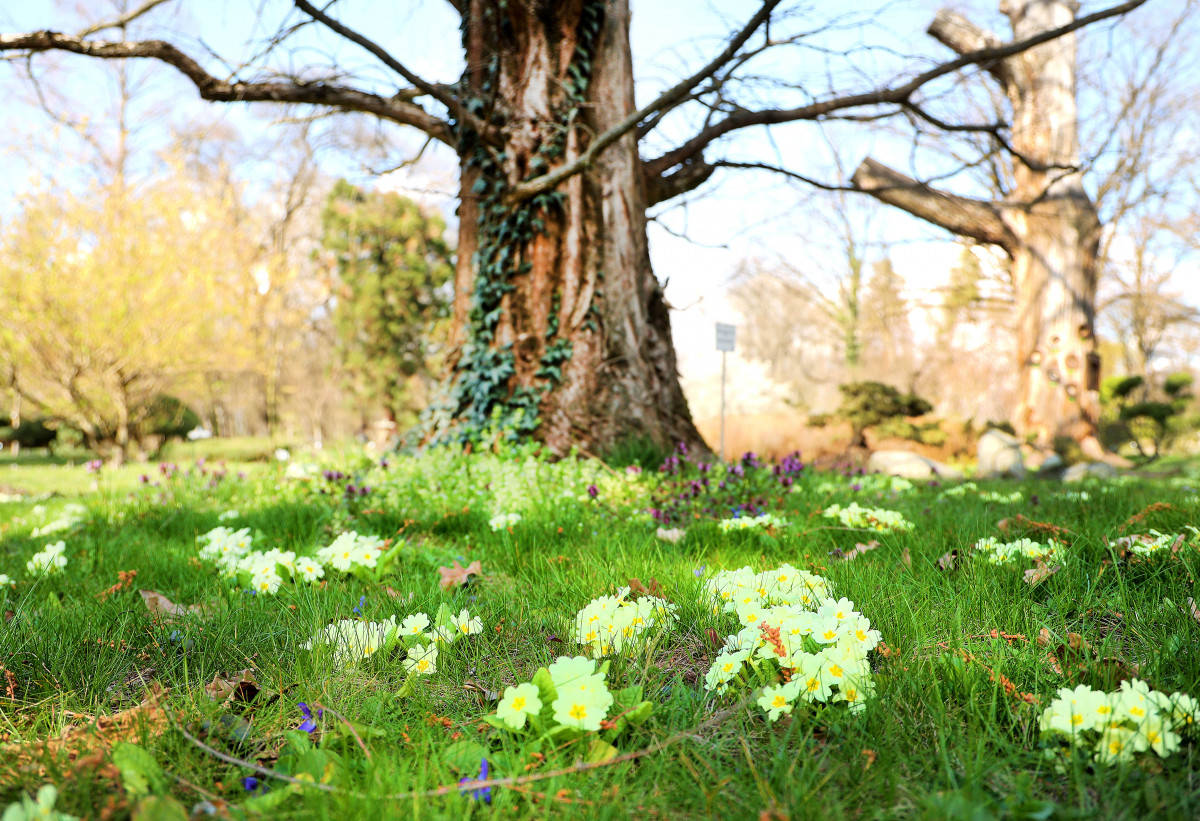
(582, 319)
(1047, 225)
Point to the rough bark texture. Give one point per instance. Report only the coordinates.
(581, 282)
(1048, 225)
(1054, 266)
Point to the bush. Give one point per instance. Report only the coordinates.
(1002, 426)
(33, 433)
(170, 418)
(867, 404)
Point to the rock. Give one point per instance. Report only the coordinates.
(1052, 467)
(999, 454)
(909, 465)
(1089, 470)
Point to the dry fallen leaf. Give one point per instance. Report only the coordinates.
(94, 733)
(637, 589)
(1195, 610)
(714, 638)
(241, 686)
(124, 582)
(1040, 573)
(459, 576)
(947, 561)
(906, 557)
(160, 605)
(859, 549)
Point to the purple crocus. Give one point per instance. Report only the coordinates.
(483, 794)
(593, 491)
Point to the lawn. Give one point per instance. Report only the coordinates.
(252, 690)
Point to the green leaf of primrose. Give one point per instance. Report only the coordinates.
(546, 690)
(599, 751)
(140, 773)
(409, 687)
(159, 808)
(464, 757)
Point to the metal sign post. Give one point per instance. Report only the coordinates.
(726, 335)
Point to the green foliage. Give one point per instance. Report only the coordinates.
(1159, 422)
(1119, 387)
(31, 433)
(867, 404)
(1002, 425)
(168, 416)
(394, 265)
(1178, 385)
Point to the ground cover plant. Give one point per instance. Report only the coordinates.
(453, 635)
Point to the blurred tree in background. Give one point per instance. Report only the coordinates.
(394, 267)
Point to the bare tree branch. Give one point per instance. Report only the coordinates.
(953, 30)
(964, 216)
(898, 94)
(437, 92)
(123, 20)
(673, 97)
(398, 109)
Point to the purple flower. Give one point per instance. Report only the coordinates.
(358, 610)
(483, 794)
(633, 470)
(309, 724)
(699, 571)
(145, 480)
(250, 783)
(94, 466)
(593, 491)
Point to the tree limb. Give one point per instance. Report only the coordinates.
(124, 19)
(953, 30)
(669, 99)
(396, 109)
(439, 93)
(898, 94)
(967, 217)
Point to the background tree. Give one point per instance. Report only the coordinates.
(393, 267)
(559, 324)
(96, 357)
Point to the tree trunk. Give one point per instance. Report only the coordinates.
(560, 327)
(1047, 225)
(1058, 232)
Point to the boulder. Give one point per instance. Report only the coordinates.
(999, 454)
(909, 465)
(1052, 467)
(1089, 470)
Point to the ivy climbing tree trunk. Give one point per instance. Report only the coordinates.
(561, 325)
(1047, 224)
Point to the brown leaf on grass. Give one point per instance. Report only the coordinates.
(906, 558)
(1195, 610)
(9, 615)
(459, 576)
(1040, 573)
(859, 549)
(714, 638)
(396, 594)
(1076, 659)
(92, 733)
(160, 606)
(948, 560)
(637, 589)
(241, 686)
(1024, 523)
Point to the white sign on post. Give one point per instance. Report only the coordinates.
(726, 335)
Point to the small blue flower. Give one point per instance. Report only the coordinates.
(250, 783)
(483, 794)
(699, 571)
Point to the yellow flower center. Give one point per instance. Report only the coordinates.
(1104, 709)
(1153, 736)
(835, 671)
(813, 684)
(1137, 711)
(861, 634)
(852, 694)
(422, 665)
(830, 634)
(1076, 719)
(578, 712)
(519, 703)
(728, 668)
(778, 701)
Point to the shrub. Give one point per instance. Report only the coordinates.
(867, 404)
(170, 417)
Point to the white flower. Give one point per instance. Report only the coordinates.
(267, 582)
(227, 515)
(414, 625)
(422, 659)
(467, 625)
(5, 580)
(48, 561)
(310, 570)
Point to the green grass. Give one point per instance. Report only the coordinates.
(940, 739)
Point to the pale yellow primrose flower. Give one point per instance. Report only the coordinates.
(518, 704)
